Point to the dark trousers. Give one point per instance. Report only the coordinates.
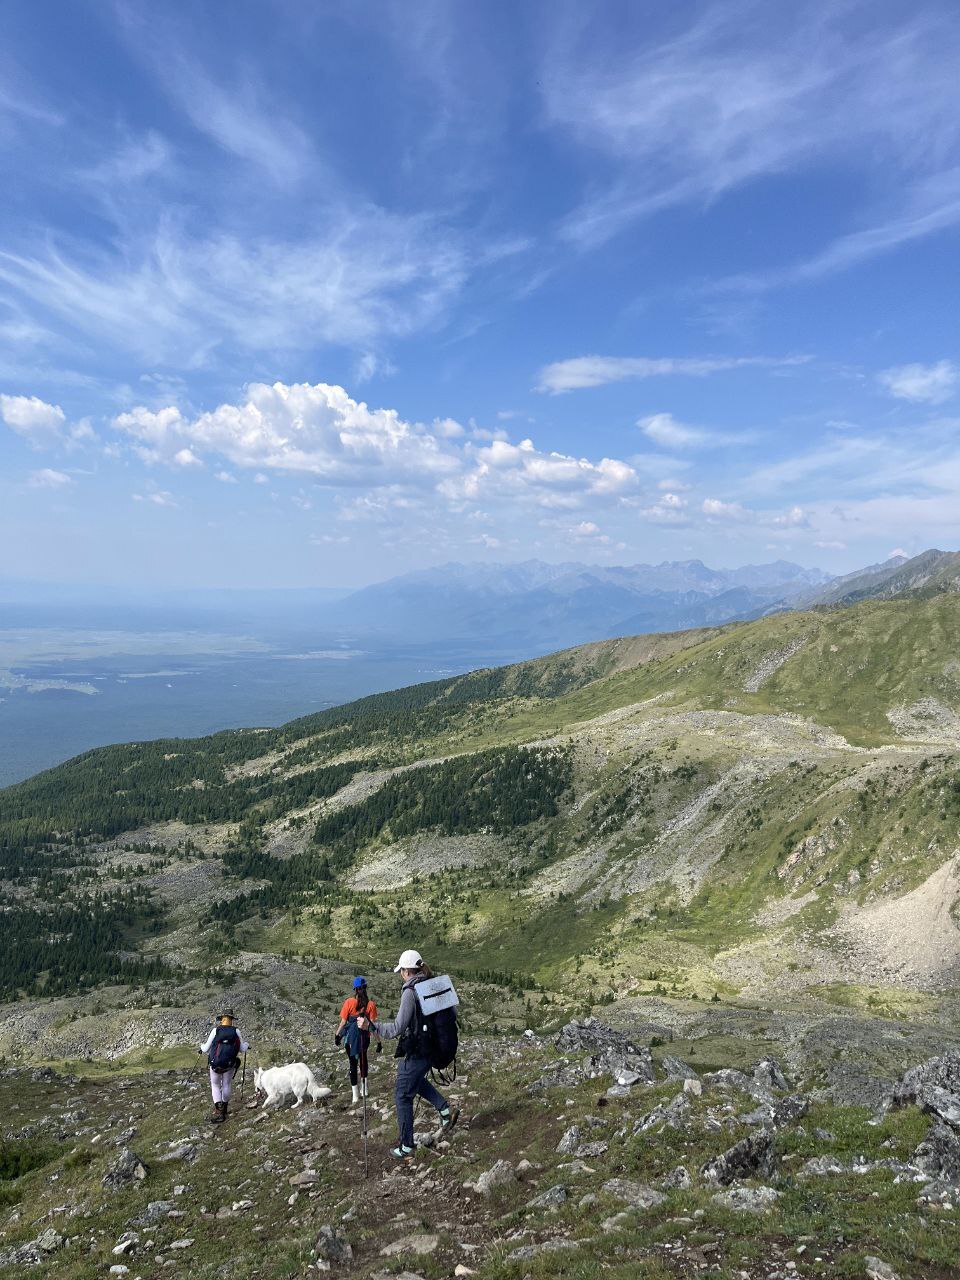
(355, 1066)
(412, 1080)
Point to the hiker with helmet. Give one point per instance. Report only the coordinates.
(356, 1042)
(417, 1046)
(223, 1047)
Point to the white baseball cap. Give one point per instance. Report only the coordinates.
(409, 960)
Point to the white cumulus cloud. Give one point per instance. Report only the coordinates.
(40, 423)
(318, 430)
(715, 509)
(922, 383)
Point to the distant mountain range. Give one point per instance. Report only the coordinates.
(541, 606)
(535, 606)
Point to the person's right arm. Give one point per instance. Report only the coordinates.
(205, 1047)
(405, 1015)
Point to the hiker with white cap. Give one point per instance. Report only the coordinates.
(423, 1044)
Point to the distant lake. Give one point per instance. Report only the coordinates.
(66, 689)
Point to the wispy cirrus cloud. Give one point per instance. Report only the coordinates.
(665, 430)
(169, 297)
(734, 97)
(49, 478)
(597, 371)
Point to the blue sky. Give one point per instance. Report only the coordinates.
(307, 294)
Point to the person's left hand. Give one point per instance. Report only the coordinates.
(379, 1046)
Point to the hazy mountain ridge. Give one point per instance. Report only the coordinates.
(547, 605)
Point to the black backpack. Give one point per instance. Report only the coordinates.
(437, 1033)
(442, 1038)
(224, 1052)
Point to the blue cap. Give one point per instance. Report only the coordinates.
(358, 983)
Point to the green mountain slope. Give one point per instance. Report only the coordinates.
(767, 810)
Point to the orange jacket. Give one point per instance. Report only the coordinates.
(349, 1009)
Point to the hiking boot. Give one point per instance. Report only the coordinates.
(448, 1118)
(219, 1114)
(226, 1108)
(402, 1153)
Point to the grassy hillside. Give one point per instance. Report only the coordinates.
(766, 807)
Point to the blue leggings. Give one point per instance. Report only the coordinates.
(412, 1080)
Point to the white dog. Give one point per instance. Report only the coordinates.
(278, 1084)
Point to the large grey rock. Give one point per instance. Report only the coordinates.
(747, 1199)
(938, 1102)
(591, 1150)
(635, 1194)
(332, 1248)
(570, 1141)
(938, 1155)
(601, 1051)
(767, 1075)
(877, 1269)
(49, 1241)
(934, 1085)
(729, 1078)
(676, 1069)
(126, 1169)
(751, 1157)
(420, 1243)
(155, 1210)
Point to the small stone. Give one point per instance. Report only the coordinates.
(692, 1086)
(304, 1179)
(553, 1198)
(528, 1251)
(118, 1269)
(461, 1270)
(499, 1175)
(182, 1244)
(420, 1244)
(621, 1219)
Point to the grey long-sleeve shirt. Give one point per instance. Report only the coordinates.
(405, 1015)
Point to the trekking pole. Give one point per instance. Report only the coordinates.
(363, 1092)
(192, 1072)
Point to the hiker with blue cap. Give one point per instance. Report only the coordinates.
(356, 1042)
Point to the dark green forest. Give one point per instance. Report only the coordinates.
(501, 790)
(74, 945)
